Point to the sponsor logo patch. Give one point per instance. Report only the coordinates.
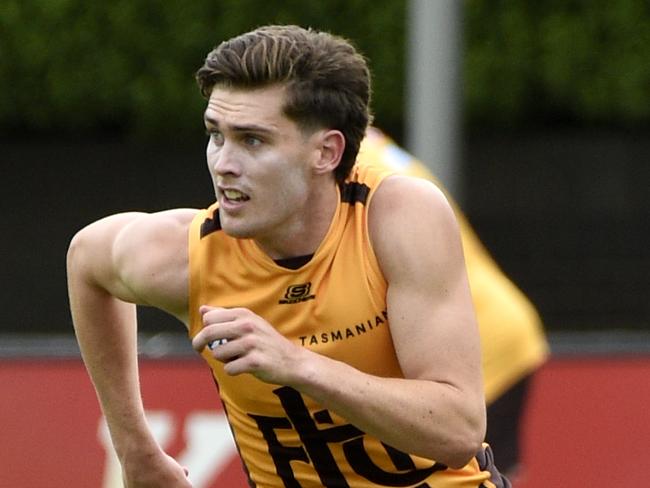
(297, 293)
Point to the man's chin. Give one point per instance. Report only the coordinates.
(236, 232)
(236, 229)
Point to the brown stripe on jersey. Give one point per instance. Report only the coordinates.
(251, 483)
(403, 461)
(211, 225)
(353, 192)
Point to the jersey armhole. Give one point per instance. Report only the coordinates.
(376, 276)
(194, 252)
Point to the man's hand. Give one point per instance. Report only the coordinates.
(252, 345)
(159, 471)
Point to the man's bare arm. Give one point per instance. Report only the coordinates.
(437, 411)
(113, 264)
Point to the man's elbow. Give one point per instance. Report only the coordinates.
(75, 251)
(90, 249)
(93, 244)
(89, 255)
(82, 248)
(462, 451)
(465, 442)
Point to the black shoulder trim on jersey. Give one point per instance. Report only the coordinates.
(211, 225)
(354, 192)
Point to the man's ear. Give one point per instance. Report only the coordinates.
(331, 144)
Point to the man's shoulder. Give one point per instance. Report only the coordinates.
(400, 193)
(151, 255)
(161, 231)
(408, 215)
(177, 217)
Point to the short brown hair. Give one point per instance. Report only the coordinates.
(327, 79)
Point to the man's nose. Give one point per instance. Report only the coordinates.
(225, 160)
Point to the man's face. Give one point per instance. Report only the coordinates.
(260, 163)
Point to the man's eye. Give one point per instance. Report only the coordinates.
(252, 141)
(215, 135)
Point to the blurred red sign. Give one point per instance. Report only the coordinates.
(587, 424)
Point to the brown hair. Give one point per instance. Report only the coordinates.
(327, 79)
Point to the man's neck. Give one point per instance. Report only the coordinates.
(304, 236)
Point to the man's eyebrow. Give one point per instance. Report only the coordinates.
(240, 127)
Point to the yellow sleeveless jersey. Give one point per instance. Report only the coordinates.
(513, 343)
(334, 305)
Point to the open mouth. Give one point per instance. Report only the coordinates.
(235, 196)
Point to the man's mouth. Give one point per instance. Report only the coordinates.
(235, 196)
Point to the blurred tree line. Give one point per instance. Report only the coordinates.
(99, 113)
(126, 67)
